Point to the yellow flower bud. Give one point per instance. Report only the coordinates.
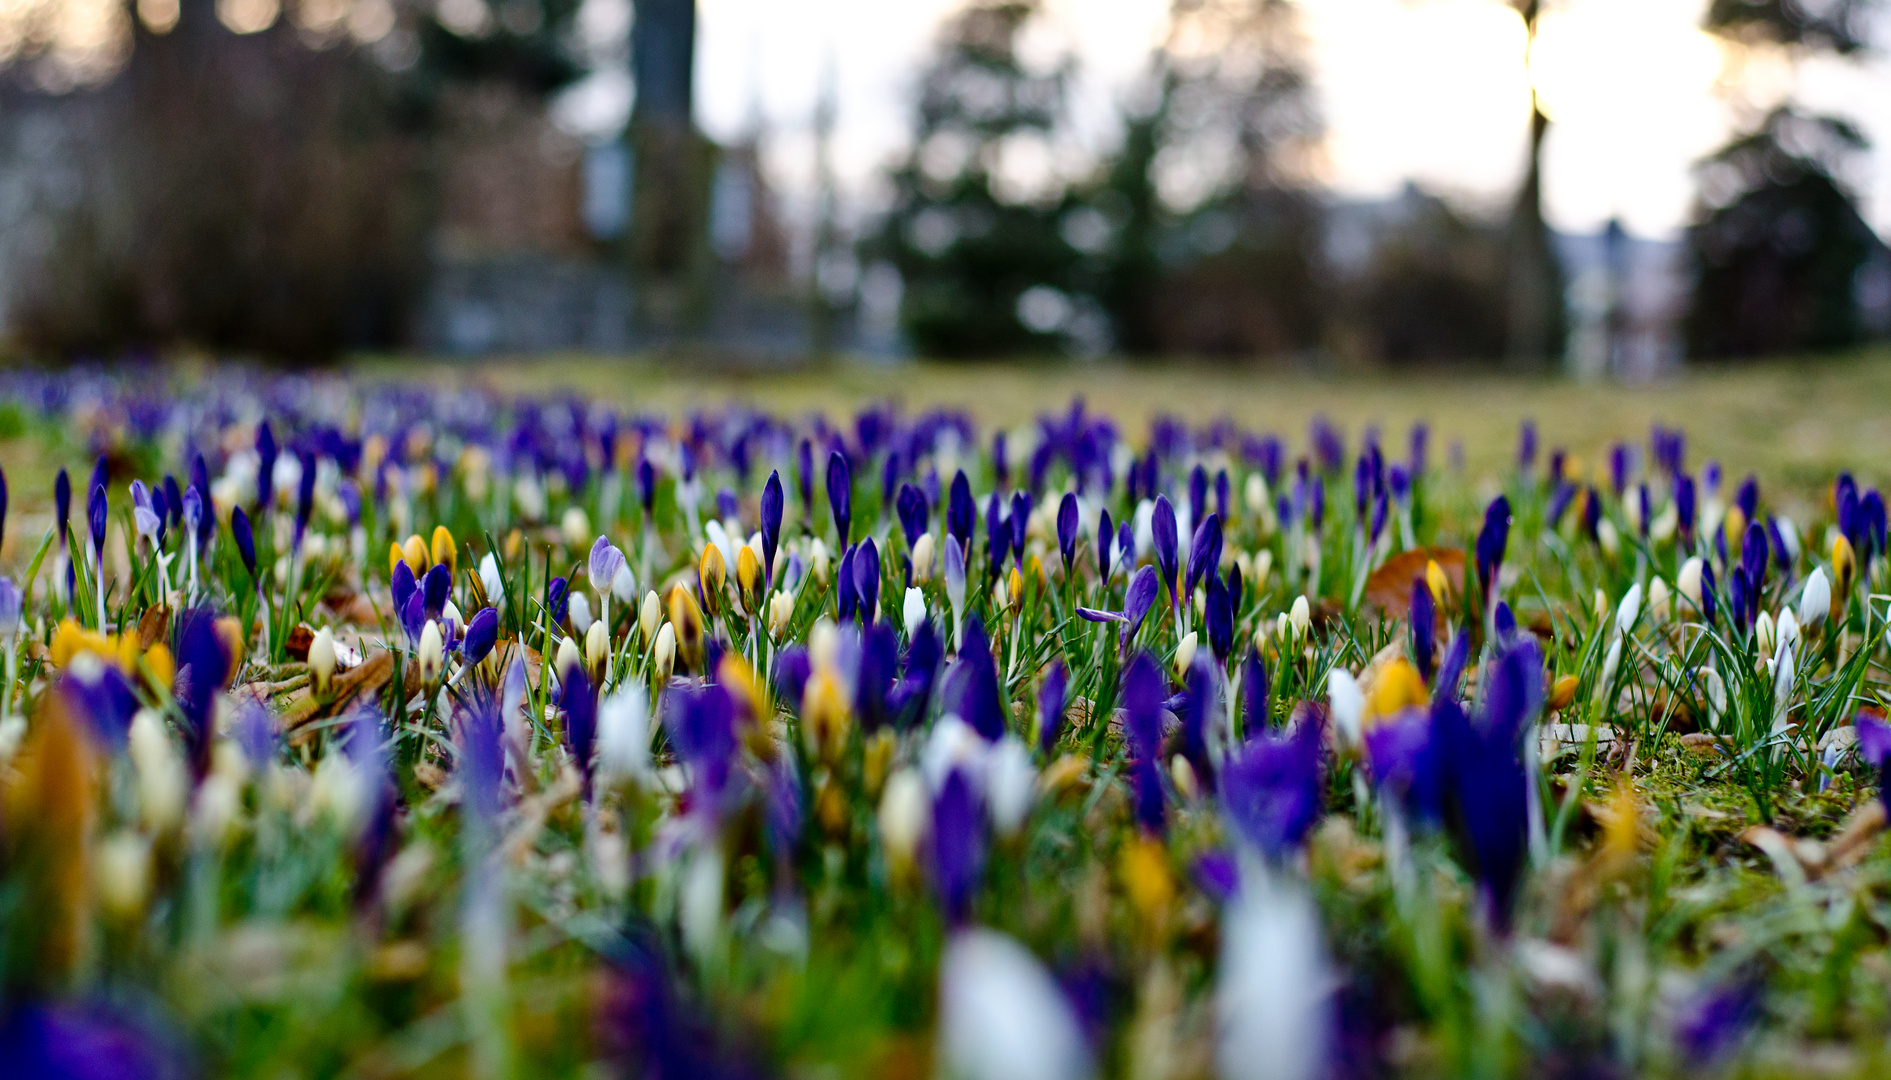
(415, 553)
(396, 555)
(714, 574)
(1397, 687)
(780, 614)
(1145, 872)
(748, 579)
(445, 550)
(1436, 581)
(597, 649)
(826, 714)
(1844, 570)
(687, 620)
(1015, 588)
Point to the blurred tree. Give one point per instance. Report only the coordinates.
(1534, 314)
(1777, 253)
(1778, 247)
(1433, 290)
(269, 192)
(669, 247)
(1213, 245)
(974, 224)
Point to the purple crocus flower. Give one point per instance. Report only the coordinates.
(1067, 530)
(972, 684)
(482, 633)
(1451, 669)
(481, 767)
(846, 590)
(1486, 786)
(866, 574)
(62, 504)
(1220, 618)
(957, 842)
(701, 724)
(202, 668)
(1491, 541)
(1526, 446)
(1221, 494)
(1503, 622)
(95, 512)
(102, 475)
(1747, 498)
(265, 467)
(914, 513)
(1710, 591)
(792, 670)
(557, 599)
(1143, 692)
(1684, 505)
(804, 477)
(3, 507)
(1197, 493)
(1020, 521)
(1137, 600)
(402, 585)
(1711, 1025)
(436, 589)
(772, 499)
(840, 494)
(1204, 552)
(1424, 626)
(997, 535)
(1126, 544)
(1256, 690)
(1270, 788)
(1198, 704)
(1050, 705)
(245, 540)
(1162, 531)
(85, 1042)
(873, 679)
(646, 486)
(912, 695)
(1871, 511)
(101, 694)
(961, 512)
(578, 699)
(173, 499)
(1874, 749)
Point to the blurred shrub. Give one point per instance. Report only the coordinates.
(1432, 291)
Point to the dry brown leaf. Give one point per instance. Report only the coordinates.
(1390, 586)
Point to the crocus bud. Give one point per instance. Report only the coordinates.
(431, 654)
(322, 662)
(122, 874)
(568, 656)
(663, 656)
(597, 649)
(576, 527)
(1763, 634)
(1688, 582)
(482, 633)
(1300, 616)
(904, 809)
(579, 609)
(490, 580)
(922, 558)
(1185, 654)
(649, 615)
(1347, 704)
(443, 550)
(1844, 566)
(624, 585)
(1786, 631)
(624, 734)
(397, 556)
(414, 554)
(1629, 610)
(817, 559)
(686, 622)
(1815, 598)
(1606, 536)
(748, 579)
(915, 610)
(780, 614)
(1658, 600)
(715, 574)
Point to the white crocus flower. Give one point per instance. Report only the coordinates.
(1272, 999)
(1002, 1016)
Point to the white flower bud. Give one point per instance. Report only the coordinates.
(649, 615)
(1010, 782)
(1347, 703)
(922, 558)
(817, 558)
(914, 610)
(567, 657)
(1610, 540)
(624, 734)
(123, 874)
(1658, 600)
(322, 661)
(597, 648)
(1185, 654)
(1688, 582)
(576, 527)
(780, 614)
(663, 657)
(580, 612)
(1300, 615)
(1628, 610)
(490, 580)
(430, 656)
(163, 783)
(1815, 598)
(624, 585)
(1763, 634)
(904, 808)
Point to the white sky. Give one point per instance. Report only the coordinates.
(1431, 90)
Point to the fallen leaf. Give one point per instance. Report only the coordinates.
(1390, 586)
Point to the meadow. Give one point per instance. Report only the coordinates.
(570, 718)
